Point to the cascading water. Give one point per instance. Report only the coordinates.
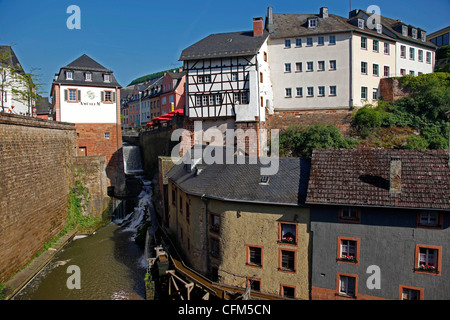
(112, 264)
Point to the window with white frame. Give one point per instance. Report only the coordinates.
(402, 51)
(405, 31)
(287, 67)
(88, 76)
(321, 91)
(333, 91)
(218, 99)
(332, 64)
(361, 23)
(427, 259)
(379, 28)
(386, 71)
(387, 49)
(244, 97)
(375, 70)
(320, 41)
(298, 67)
(312, 22)
(414, 33)
(332, 40)
(287, 43)
(411, 53)
(363, 67)
(107, 78)
(375, 45)
(309, 42)
(310, 66)
(363, 43)
(364, 93)
(299, 92)
(428, 57)
(198, 101)
(310, 91)
(420, 55)
(69, 75)
(288, 92)
(347, 250)
(321, 66)
(205, 100)
(375, 94)
(402, 72)
(298, 42)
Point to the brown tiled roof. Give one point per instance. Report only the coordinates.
(361, 178)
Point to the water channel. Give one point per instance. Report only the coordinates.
(112, 265)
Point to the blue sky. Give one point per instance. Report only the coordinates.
(134, 38)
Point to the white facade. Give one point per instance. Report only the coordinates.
(228, 87)
(413, 59)
(373, 59)
(310, 76)
(81, 104)
(12, 103)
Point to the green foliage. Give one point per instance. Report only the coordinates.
(151, 76)
(300, 142)
(78, 202)
(416, 143)
(429, 95)
(425, 110)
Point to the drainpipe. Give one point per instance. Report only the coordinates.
(351, 71)
(259, 107)
(208, 259)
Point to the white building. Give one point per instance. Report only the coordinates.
(414, 54)
(11, 81)
(324, 61)
(87, 94)
(228, 76)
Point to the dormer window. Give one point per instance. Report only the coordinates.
(379, 28)
(69, 75)
(414, 33)
(312, 22)
(361, 23)
(107, 78)
(423, 35)
(88, 76)
(405, 31)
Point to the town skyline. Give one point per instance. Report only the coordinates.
(34, 42)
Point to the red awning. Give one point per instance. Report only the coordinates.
(179, 111)
(150, 124)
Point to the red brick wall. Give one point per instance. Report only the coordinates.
(92, 137)
(35, 177)
(282, 119)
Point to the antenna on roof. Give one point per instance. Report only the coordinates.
(350, 3)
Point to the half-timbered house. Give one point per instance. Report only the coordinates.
(227, 78)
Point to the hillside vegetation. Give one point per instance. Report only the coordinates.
(418, 121)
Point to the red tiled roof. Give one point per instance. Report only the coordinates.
(361, 178)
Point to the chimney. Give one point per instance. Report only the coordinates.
(269, 18)
(324, 12)
(258, 26)
(395, 177)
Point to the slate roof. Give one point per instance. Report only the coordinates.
(241, 182)
(296, 25)
(82, 65)
(361, 178)
(289, 25)
(221, 45)
(10, 58)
